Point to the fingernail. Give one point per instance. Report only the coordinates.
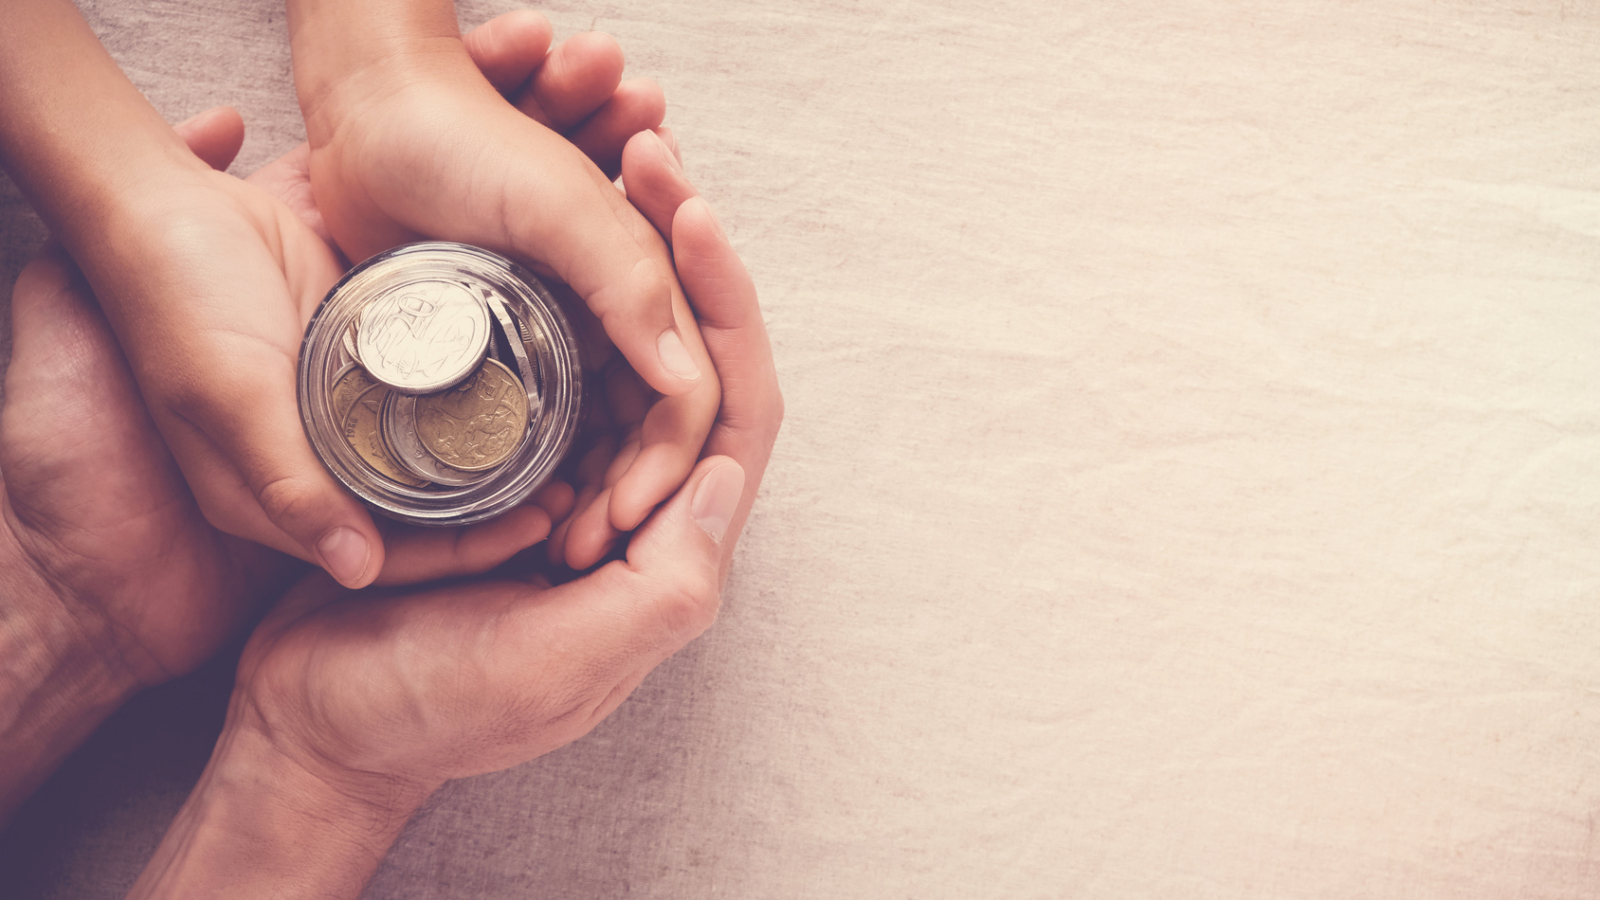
(669, 142)
(675, 356)
(344, 554)
(717, 498)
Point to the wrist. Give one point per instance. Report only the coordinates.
(268, 821)
(350, 54)
(59, 677)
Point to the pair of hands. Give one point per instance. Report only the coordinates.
(494, 672)
(417, 145)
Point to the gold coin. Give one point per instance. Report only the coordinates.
(361, 428)
(349, 384)
(479, 423)
(399, 426)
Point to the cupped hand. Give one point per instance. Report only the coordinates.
(380, 693)
(423, 146)
(97, 503)
(250, 263)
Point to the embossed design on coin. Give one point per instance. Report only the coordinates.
(479, 423)
(360, 427)
(399, 425)
(424, 337)
(351, 382)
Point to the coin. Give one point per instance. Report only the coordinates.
(351, 382)
(479, 423)
(360, 427)
(349, 342)
(398, 425)
(423, 337)
(514, 330)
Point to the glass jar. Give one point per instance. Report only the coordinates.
(440, 383)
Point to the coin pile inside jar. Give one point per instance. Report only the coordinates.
(440, 383)
(423, 402)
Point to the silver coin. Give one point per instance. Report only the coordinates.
(516, 334)
(423, 337)
(348, 344)
(400, 436)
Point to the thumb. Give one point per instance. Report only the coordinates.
(677, 559)
(243, 414)
(667, 591)
(214, 135)
(576, 651)
(574, 221)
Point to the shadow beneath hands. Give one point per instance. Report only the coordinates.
(88, 831)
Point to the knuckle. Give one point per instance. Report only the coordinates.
(574, 705)
(288, 499)
(184, 391)
(221, 513)
(686, 604)
(643, 293)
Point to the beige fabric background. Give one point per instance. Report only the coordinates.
(1189, 487)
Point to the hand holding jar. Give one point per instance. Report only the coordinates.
(208, 282)
(409, 142)
(118, 580)
(351, 707)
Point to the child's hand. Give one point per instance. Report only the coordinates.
(409, 141)
(208, 283)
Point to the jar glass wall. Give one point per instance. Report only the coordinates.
(440, 383)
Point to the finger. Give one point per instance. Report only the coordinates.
(557, 544)
(589, 535)
(671, 141)
(509, 48)
(717, 283)
(631, 614)
(580, 225)
(556, 499)
(288, 179)
(675, 428)
(214, 135)
(670, 440)
(637, 105)
(54, 332)
(427, 554)
(244, 409)
(724, 299)
(578, 76)
(654, 179)
(583, 536)
(674, 560)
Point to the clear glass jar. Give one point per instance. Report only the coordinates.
(440, 383)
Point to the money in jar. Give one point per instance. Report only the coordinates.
(440, 383)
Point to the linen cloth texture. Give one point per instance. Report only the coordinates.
(1189, 486)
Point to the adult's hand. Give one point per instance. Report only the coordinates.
(350, 707)
(117, 581)
(409, 140)
(113, 579)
